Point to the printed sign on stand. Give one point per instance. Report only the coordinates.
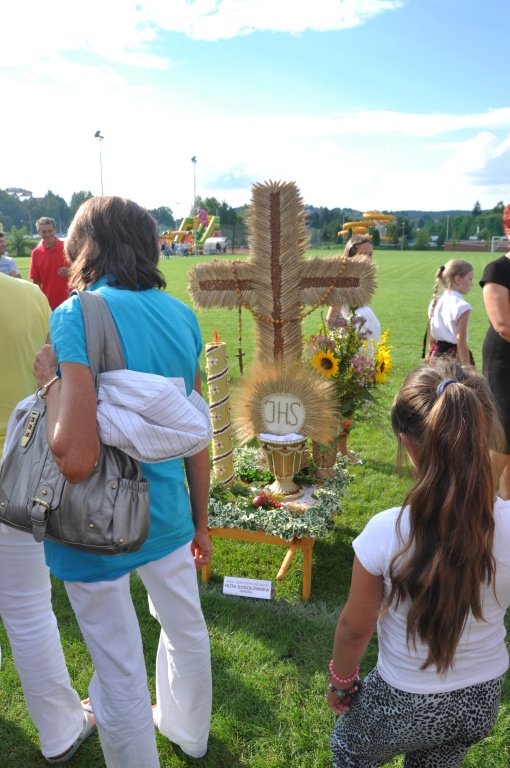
(232, 585)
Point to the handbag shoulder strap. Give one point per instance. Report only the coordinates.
(103, 345)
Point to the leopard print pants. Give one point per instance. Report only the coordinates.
(432, 730)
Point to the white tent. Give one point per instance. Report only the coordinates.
(210, 245)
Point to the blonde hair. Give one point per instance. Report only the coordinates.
(445, 276)
(352, 245)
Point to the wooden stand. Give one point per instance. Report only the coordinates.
(259, 537)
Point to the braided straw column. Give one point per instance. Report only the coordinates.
(216, 361)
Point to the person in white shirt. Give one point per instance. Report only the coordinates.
(7, 264)
(449, 313)
(434, 577)
(357, 245)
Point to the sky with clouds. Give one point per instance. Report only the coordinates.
(369, 104)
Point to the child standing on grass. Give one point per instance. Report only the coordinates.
(449, 313)
(434, 576)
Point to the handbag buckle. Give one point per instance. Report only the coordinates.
(44, 503)
(40, 513)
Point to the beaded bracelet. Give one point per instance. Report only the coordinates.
(342, 680)
(343, 693)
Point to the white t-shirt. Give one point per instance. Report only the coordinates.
(7, 265)
(443, 322)
(481, 654)
(372, 326)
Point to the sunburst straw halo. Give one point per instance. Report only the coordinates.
(317, 400)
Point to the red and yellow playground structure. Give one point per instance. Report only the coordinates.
(193, 229)
(369, 220)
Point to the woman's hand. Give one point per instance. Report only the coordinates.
(45, 365)
(201, 549)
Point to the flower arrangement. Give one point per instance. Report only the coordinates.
(346, 355)
(251, 508)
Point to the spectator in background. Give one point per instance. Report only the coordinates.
(7, 265)
(25, 589)
(357, 245)
(48, 266)
(496, 347)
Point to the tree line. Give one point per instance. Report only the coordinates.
(19, 210)
(419, 228)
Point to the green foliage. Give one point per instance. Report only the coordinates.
(229, 509)
(249, 468)
(164, 217)
(18, 245)
(421, 240)
(77, 199)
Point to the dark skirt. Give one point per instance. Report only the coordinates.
(445, 349)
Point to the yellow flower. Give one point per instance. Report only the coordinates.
(383, 364)
(326, 363)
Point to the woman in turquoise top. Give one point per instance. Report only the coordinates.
(113, 247)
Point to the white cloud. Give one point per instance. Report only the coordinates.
(122, 31)
(225, 19)
(483, 158)
(115, 31)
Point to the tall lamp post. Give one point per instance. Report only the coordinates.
(100, 138)
(194, 210)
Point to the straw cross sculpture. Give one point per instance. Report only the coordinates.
(277, 283)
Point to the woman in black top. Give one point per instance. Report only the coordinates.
(496, 348)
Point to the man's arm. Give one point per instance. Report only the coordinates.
(33, 270)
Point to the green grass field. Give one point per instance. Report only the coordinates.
(270, 659)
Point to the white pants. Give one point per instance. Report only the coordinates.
(118, 689)
(25, 608)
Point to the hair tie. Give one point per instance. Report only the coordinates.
(442, 268)
(443, 384)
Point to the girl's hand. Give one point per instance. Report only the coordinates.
(339, 706)
(45, 365)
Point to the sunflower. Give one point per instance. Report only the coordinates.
(326, 363)
(383, 364)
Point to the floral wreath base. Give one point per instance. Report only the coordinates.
(233, 507)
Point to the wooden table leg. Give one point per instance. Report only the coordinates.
(305, 544)
(206, 573)
(307, 547)
(287, 560)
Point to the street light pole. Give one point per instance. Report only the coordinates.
(403, 228)
(194, 211)
(100, 138)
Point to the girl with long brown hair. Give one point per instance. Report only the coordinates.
(434, 576)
